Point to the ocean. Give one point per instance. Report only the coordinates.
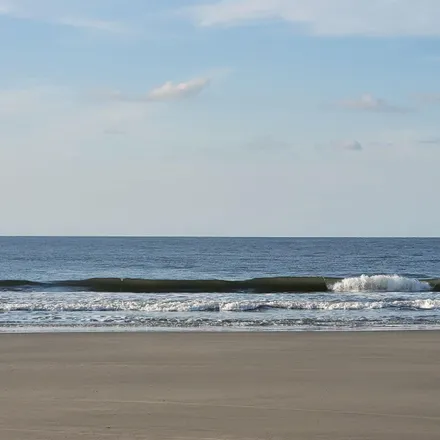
(54, 284)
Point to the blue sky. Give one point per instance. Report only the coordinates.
(233, 117)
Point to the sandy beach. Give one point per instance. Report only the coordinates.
(220, 386)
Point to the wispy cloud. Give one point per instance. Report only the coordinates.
(428, 98)
(324, 17)
(370, 103)
(171, 91)
(97, 25)
(55, 116)
(5, 8)
(114, 131)
(22, 10)
(430, 141)
(351, 145)
(335, 147)
(168, 91)
(268, 144)
(382, 144)
(17, 101)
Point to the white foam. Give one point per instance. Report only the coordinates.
(381, 283)
(220, 306)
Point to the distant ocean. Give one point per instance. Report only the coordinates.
(287, 284)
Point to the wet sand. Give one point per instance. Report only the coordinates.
(295, 386)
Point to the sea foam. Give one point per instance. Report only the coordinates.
(381, 283)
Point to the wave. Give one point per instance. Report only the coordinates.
(187, 306)
(381, 283)
(142, 323)
(255, 285)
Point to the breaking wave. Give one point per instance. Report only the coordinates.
(317, 284)
(381, 283)
(187, 306)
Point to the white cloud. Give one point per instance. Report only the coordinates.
(166, 92)
(171, 91)
(324, 17)
(370, 103)
(55, 117)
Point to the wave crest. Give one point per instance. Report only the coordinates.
(291, 284)
(381, 283)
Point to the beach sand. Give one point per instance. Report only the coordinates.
(220, 386)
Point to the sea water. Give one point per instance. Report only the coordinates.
(381, 284)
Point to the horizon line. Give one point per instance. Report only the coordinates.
(228, 236)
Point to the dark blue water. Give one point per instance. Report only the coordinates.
(363, 303)
(229, 258)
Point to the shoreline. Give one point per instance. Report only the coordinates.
(195, 330)
(220, 385)
(213, 330)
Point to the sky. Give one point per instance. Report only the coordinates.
(220, 117)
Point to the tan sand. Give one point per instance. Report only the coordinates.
(220, 386)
